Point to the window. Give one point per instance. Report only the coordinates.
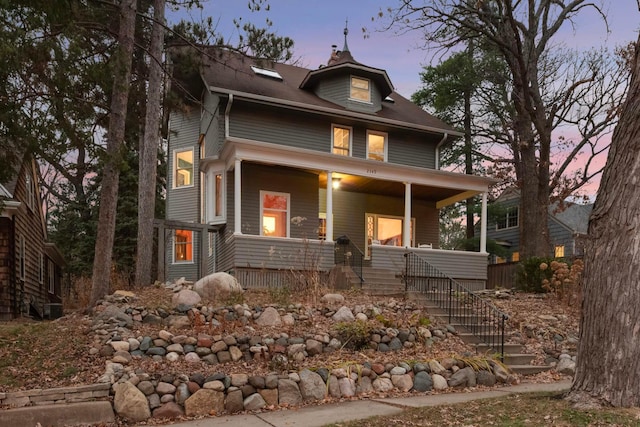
(213, 197)
(183, 246)
(509, 219)
(386, 230)
(31, 190)
(52, 277)
(322, 226)
(515, 257)
(341, 144)
(183, 168)
(41, 270)
(274, 214)
(559, 251)
(377, 146)
(360, 89)
(20, 257)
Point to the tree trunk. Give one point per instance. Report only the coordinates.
(607, 363)
(149, 151)
(115, 137)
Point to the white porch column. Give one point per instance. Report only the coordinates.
(209, 196)
(237, 197)
(329, 219)
(406, 226)
(483, 224)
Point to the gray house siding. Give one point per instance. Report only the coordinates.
(561, 236)
(284, 127)
(183, 134)
(338, 90)
(212, 124)
(349, 211)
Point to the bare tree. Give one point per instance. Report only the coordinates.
(607, 366)
(545, 92)
(149, 150)
(115, 137)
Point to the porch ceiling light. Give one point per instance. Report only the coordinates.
(336, 183)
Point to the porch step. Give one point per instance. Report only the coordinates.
(515, 359)
(528, 369)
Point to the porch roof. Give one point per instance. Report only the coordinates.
(357, 174)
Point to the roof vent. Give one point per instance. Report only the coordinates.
(389, 99)
(267, 73)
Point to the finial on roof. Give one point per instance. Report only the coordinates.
(346, 31)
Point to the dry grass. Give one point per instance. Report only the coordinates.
(518, 410)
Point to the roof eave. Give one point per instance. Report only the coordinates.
(331, 111)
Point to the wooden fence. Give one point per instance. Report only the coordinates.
(502, 275)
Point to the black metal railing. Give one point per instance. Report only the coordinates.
(348, 254)
(475, 314)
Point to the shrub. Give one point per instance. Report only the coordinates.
(531, 274)
(565, 281)
(354, 335)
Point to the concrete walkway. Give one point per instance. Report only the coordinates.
(317, 416)
(100, 412)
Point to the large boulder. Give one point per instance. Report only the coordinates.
(130, 403)
(217, 285)
(185, 298)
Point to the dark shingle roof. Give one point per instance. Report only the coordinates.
(574, 216)
(230, 71)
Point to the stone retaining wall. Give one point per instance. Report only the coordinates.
(84, 393)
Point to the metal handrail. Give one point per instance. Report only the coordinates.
(480, 317)
(348, 254)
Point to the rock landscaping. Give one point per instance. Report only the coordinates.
(197, 358)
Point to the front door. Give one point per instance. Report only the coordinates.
(385, 230)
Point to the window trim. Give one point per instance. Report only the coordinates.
(385, 149)
(367, 252)
(30, 190)
(213, 193)
(21, 254)
(506, 217)
(333, 146)
(288, 211)
(559, 251)
(352, 88)
(175, 242)
(52, 277)
(41, 270)
(175, 168)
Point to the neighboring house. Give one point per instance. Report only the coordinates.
(567, 222)
(283, 163)
(30, 267)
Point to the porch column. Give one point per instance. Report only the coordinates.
(209, 196)
(329, 220)
(406, 226)
(483, 224)
(237, 197)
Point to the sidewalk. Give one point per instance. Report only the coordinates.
(317, 416)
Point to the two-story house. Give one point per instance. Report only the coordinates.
(281, 161)
(30, 266)
(567, 223)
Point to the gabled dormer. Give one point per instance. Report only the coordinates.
(348, 83)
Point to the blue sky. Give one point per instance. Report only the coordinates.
(315, 25)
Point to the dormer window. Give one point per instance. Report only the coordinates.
(360, 89)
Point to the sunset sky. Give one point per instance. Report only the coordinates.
(316, 25)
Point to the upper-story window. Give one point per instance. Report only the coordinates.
(31, 190)
(360, 89)
(183, 168)
(377, 146)
(341, 140)
(509, 219)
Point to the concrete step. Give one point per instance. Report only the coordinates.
(529, 369)
(518, 358)
(509, 348)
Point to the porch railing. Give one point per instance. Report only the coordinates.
(348, 254)
(475, 314)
